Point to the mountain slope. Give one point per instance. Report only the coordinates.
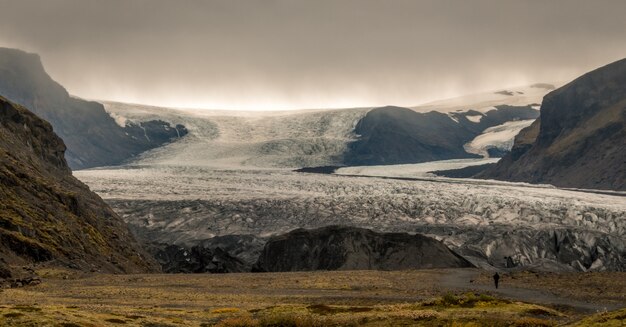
(93, 138)
(353, 248)
(395, 135)
(579, 140)
(47, 215)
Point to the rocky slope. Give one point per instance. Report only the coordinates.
(92, 137)
(579, 140)
(48, 216)
(197, 259)
(352, 248)
(220, 254)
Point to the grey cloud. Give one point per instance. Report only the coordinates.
(323, 53)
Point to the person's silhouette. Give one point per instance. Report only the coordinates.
(496, 279)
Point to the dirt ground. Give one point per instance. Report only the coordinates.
(602, 288)
(340, 298)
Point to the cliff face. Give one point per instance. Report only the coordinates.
(580, 138)
(93, 138)
(351, 248)
(47, 215)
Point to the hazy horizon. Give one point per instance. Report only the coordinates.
(278, 55)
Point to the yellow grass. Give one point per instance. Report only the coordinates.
(356, 298)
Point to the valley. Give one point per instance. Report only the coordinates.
(229, 184)
(312, 163)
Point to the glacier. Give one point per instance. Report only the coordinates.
(232, 175)
(484, 220)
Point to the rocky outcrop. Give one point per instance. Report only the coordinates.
(93, 138)
(219, 254)
(47, 215)
(396, 135)
(579, 140)
(197, 259)
(352, 248)
(549, 249)
(246, 248)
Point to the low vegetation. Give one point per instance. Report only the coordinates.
(306, 299)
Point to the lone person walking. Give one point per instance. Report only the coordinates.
(496, 279)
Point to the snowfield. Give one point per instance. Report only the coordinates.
(483, 102)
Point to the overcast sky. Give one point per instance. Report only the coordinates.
(278, 54)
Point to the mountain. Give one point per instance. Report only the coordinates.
(579, 140)
(395, 135)
(46, 215)
(92, 136)
(334, 137)
(352, 248)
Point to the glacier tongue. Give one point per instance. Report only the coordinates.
(492, 223)
(497, 137)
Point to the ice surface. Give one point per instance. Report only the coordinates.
(500, 137)
(474, 118)
(231, 175)
(424, 169)
(186, 203)
(232, 139)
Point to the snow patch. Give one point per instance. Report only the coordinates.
(474, 118)
(119, 119)
(500, 137)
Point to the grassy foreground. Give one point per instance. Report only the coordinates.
(356, 298)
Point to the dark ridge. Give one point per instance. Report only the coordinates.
(579, 141)
(47, 216)
(497, 153)
(197, 259)
(92, 136)
(395, 135)
(465, 172)
(319, 169)
(353, 248)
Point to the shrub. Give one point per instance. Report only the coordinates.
(532, 322)
(449, 299)
(238, 322)
(225, 310)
